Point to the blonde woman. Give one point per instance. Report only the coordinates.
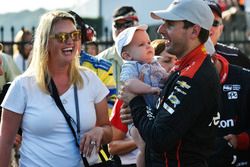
(47, 137)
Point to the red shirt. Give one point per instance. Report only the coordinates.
(115, 117)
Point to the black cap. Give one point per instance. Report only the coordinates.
(125, 12)
(215, 7)
(79, 21)
(87, 31)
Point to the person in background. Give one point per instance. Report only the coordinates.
(122, 144)
(22, 49)
(165, 59)
(1, 69)
(47, 139)
(102, 68)
(8, 72)
(232, 54)
(91, 47)
(123, 17)
(182, 129)
(247, 15)
(9, 69)
(232, 147)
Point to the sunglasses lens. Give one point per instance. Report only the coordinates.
(62, 37)
(124, 24)
(75, 36)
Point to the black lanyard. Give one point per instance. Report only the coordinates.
(54, 94)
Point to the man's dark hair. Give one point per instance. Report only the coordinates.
(124, 10)
(204, 34)
(215, 7)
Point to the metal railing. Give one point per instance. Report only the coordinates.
(8, 45)
(232, 35)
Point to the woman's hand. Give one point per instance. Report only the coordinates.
(92, 140)
(100, 134)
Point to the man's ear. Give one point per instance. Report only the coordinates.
(126, 56)
(196, 31)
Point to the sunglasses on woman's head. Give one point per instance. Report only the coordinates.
(124, 24)
(62, 37)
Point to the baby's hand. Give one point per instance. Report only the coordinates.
(155, 90)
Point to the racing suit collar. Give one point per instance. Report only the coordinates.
(224, 68)
(193, 56)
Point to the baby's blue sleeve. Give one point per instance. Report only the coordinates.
(129, 71)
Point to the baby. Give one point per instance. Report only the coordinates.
(140, 72)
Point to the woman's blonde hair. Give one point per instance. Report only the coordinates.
(40, 54)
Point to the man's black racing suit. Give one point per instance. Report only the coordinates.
(182, 130)
(233, 55)
(234, 116)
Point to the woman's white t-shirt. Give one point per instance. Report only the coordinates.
(47, 139)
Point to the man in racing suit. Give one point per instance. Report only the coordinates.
(182, 128)
(231, 53)
(233, 135)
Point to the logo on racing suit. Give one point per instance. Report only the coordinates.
(216, 120)
(179, 90)
(232, 95)
(174, 100)
(149, 112)
(183, 84)
(159, 102)
(168, 108)
(231, 87)
(232, 90)
(226, 123)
